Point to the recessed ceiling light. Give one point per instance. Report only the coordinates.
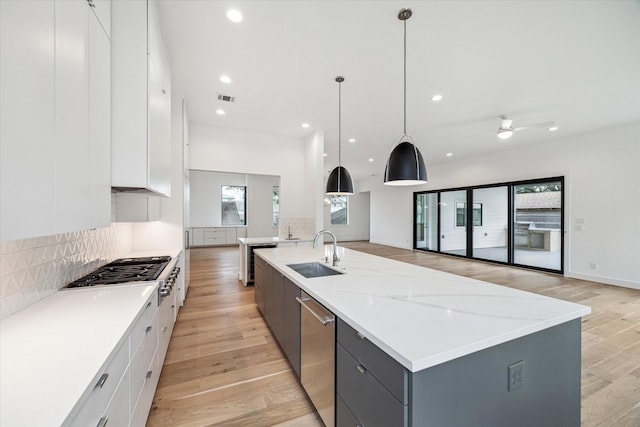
(553, 128)
(352, 140)
(449, 154)
(371, 160)
(234, 15)
(437, 97)
(225, 79)
(220, 112)
(305, 125)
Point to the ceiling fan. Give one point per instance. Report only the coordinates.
(506, 131)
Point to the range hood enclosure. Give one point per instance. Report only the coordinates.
(141, 101)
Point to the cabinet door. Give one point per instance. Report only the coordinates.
(291, 310)
(159, 108)
(99, 122)
(259, 274)
(71, 116)
(27, 89)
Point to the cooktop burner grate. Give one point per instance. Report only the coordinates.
(124, 270)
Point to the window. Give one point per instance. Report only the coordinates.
(339, 210)
(234, 205)
(461, 214)
(276, 205)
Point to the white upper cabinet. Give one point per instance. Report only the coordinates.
(27, 97)
(54, 119)
(141, 90)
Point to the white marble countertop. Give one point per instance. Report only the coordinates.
(419, 316)
(266, 240)
(50, 352)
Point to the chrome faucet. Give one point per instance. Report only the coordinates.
(335, 246)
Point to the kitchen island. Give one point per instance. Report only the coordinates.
(421, 347)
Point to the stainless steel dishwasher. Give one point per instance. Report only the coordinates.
(317, 356)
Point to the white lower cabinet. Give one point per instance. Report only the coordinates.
(123, 391)
(216, 236)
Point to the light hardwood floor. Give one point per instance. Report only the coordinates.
(224, 368)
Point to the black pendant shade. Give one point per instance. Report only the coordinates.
(339, 182)
(405, 166)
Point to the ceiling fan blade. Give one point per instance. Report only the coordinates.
(534, 125)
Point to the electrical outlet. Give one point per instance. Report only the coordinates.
(516, 375)
(593, 266)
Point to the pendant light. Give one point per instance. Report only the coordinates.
(405, 165)
(339, 182)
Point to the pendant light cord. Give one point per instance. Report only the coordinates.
(340, 124)
(405, 76)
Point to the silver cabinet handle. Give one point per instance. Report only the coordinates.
(359, 335)
(102, 380)
(149, 374)
(361, 369)
(148, 305)
(186, 239)
(102, 422)
(146, 331)
(165, 329)
(324, 320)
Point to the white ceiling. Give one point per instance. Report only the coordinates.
(575, 62)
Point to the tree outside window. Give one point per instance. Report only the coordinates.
(339, 210)
(234, 204)
(276, 205)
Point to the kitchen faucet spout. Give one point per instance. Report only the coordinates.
(335, 245)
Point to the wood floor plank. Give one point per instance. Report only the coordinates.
(223, 367)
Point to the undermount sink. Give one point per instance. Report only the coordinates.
(313, 269)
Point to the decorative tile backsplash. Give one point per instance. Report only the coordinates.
(300, 227)
(32, 269)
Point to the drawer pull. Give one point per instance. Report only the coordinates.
(359, 335)
(165, 329)
(361, 369)
(102, 380)
(146, 331)
(102, 422)
(148, 305)
(149, 373)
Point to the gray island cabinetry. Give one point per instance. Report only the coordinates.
(275, 296)
(419, 347)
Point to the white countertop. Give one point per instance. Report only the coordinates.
(275, 240)
(419, 316)
(51, 351)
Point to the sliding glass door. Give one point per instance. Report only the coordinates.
(453, 222)
(516, 223)
(537, 212)
(426, 224)
(491, 223)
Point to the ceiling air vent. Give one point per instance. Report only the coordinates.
(226, 98)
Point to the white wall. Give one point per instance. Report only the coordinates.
(601, 187)
(358, 227)
(228, 150)
(206, 193)
(260, 205)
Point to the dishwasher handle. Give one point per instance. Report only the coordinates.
(325, 320)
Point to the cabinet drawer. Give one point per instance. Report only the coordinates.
(214, 240)
(344, 416)
(117, 413)
(367, 399)
(138, 331)
(214, 232)
(142, 358)
(390, 373)
(145, 398)
(103, 387)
